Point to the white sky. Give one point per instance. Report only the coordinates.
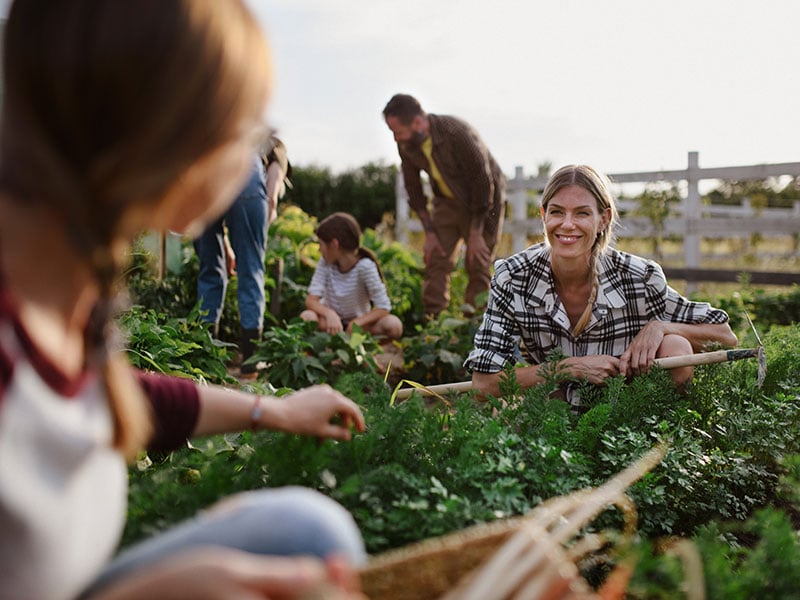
(624, 85)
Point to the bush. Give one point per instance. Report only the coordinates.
(297, 356)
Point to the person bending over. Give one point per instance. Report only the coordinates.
(468, 203)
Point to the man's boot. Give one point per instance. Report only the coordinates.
(248, 344)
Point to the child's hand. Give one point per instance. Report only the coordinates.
(333, 322)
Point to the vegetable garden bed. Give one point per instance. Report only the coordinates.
(730, 481)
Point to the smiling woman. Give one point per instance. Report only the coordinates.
(610, 312)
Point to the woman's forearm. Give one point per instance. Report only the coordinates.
(488, 384)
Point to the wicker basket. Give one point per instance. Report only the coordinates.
(523, 558)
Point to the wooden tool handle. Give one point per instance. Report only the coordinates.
(432, 390)
(706, 358)
(669, 362)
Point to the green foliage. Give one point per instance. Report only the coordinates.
(298, 355)
(176, 293)
(435, 353)
(176, 346)
(776, 309)
(172, 295)
(757, 559)
(367, 192)
(291, 253)
(764, 193)
(656, 203)
(766, 309)
(422, 470)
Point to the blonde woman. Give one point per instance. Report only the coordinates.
(119, 117)
(610, 312)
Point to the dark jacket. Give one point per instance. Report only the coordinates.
(465, 163)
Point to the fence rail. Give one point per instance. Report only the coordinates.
(692, 221)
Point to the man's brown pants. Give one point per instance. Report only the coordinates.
(452, 221)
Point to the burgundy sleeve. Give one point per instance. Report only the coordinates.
(176, 407)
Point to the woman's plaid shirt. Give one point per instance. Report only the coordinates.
(525, 313)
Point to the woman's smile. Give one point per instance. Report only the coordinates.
(572, 220)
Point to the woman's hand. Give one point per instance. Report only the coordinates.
(230, 256)
(226, 574)
(639, 356)
(318, 411)
(595, 368)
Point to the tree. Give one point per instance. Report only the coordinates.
(655, 203)
(367, 192)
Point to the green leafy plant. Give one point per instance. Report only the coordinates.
(435, 353)
(298, 355)
(175, 294)
(176, 346)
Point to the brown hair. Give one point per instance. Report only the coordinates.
(599, 186)
(106, 105)
(344, 228)
(404, 108)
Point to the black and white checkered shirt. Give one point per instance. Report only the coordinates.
(525, 312)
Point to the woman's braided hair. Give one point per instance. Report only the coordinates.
(107, 104)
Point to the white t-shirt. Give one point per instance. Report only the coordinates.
(353, 293)
(63, 488)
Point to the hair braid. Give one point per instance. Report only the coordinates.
(105, 351)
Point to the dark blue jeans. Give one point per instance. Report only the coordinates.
(246, 220)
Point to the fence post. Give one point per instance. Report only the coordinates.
(401, 210)
(691, 240)
(519, 212)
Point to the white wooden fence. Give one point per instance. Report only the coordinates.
(693, 222)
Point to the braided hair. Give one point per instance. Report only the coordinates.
(107, 104)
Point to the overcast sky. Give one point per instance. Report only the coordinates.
(625, 85)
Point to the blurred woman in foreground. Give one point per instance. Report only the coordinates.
(120, 117)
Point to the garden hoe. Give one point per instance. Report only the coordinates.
(669, 362)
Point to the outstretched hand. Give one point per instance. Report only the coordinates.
(320, 411)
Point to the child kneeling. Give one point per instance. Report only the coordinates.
(347, 287)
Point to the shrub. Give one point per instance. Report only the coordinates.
(298, 355)
(175, 346)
